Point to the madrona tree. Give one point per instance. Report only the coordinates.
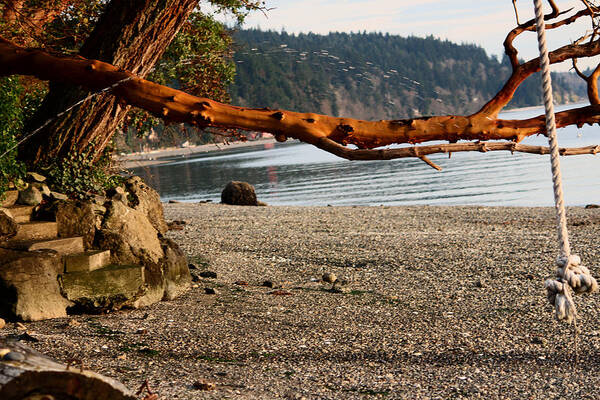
(127, 38)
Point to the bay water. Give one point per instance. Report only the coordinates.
(300, 174)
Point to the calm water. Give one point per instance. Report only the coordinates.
(300, 174)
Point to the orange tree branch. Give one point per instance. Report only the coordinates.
(523, 71)
(320, 130)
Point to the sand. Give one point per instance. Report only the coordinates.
(440, 302)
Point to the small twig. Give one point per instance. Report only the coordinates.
(146, 387)
(516, 11)
(430, 163)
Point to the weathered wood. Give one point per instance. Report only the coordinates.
(25, 372)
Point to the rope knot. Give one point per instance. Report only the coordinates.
(578, 276)
(571, 275)
(559, 295)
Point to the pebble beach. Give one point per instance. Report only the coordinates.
(431, 303)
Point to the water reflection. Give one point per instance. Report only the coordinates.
(301, 174)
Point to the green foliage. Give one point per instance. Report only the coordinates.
(78, 175)
(11, 122)
(373, 75)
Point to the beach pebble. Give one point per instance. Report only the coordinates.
(329, 277)
(539, 340)
(208, 274)
(208, 290)
(204, 385)
(268, 284)
(2, 323)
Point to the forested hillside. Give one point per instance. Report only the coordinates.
(374, 75)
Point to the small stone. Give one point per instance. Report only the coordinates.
(4, 352)
(20, 326)
(174, 226)
(35, 177)
(141, 331)
(42, 187)
(204, 385)
(122, 356)
(208, 274)
(30, 196)
(268, 284)
(329, 277)
(480, 283)
(74, 323)
(209, 290)
(8, 226)
(100, 200)
(174, 201)
(13, 356)
(539, 340)
(2, 323)
(10, 198)
(590, 206)
(241, 283)
(59, 196)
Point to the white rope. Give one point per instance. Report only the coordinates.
(571, 275)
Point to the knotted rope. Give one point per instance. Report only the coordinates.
(570, 274)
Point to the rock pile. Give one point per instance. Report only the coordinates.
(100, 254)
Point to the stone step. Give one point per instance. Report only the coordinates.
(10, 198)
(110, 287)
(68, 245)
(36, 231)
(21, 214)
(87, 261)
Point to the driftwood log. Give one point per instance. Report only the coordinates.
(26, 374)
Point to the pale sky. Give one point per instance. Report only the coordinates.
(484, 22)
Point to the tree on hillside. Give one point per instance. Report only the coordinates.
(117, 60)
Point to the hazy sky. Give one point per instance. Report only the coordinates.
(484, 22)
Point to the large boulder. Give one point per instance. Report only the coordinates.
(129, 235)
(29, 288)
(145, 199)
(238, 193)
(79, 218)
(8, 226)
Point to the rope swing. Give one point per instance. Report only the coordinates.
(571, 276)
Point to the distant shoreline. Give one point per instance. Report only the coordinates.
(162, 156)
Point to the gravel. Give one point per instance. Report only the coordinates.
(438, 302)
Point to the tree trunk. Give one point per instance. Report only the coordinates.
(132, 35)
(25, 374)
